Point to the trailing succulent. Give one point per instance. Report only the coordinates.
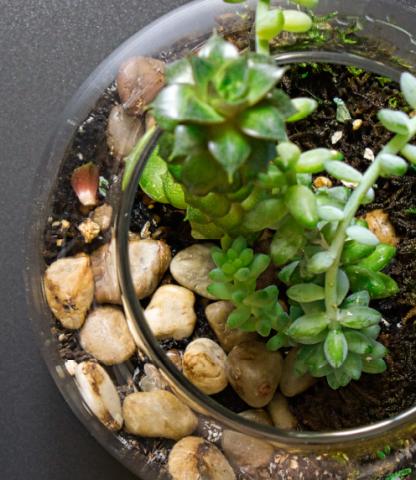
(225, 156)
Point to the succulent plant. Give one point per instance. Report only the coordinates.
(226, 155)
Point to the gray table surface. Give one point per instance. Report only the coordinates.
(47, 47)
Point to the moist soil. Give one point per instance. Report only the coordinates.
(372, 398)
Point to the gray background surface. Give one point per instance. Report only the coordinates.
(47, 48)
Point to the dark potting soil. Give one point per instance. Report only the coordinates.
(373, 397)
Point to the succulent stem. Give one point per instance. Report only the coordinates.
(369, 178)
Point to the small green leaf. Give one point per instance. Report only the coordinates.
(286, 272)
(276, 342)
(180, 72)
(355, 251)
(279, 99)
(408, 87)
(306, 292)
(269, 24)
(301, 203)
(343, 286)
(353, 366)
(152, 177)
(304, 106)
(308, 326)
(336, 348)
(289, 154)
(259, 265)
(238, 317)
(374, 366)
(179, 103)
(372, 332)
(377, 284)
(321, 262)
(217, 50)
(263, 77)
(199, 173)
(358, 342)
(229, 148)
(264, 122)
(409, 152)
(330, 213)
(342, 171)
(222, 291)
(359, 317)
(174, 192)
(296, 21)
(287, 242)
(231, 80)
(380, 258)
(313, 161)
(392, 165)
(357, 299)
(187, 138)
(265, 214)
(396, 122)
(362, 235)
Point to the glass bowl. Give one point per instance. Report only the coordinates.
(377, 35)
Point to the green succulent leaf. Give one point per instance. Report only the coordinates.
(301, 203)
(265, 214)
(304, 107)
(230, 148)
(336, 348)
(353, 366)
(270, 24)
(372, 332)
(321, 262)
(285, 273)
(357, 299)
(396, 122)
(330, 213)
(358, 342)
(279, 99)
(362, 235)
(408, 87)
(313, 161)
(178, 103)
(409, 152)
(355, 251)
(377, 365)
(263, 77)
(152, 177)
(180, 72)
(392, 165)
(287, 242)
(238, 317)
(277, 342)
(288, 155)
(377, 284)
(343, 286)
(308, 326)
(218, 51)
(296, 21)
(264, 122)
(359, 317)
(187, 138)
(380, 258)
(306, 292)
(342, 171)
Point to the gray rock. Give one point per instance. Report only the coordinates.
(190, 268)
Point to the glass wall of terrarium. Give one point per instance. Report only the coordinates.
(227, 245)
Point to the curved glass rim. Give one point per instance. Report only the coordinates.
(194, 395)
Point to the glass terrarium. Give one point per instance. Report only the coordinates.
(351, 49)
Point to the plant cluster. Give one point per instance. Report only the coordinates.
(225, 156)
